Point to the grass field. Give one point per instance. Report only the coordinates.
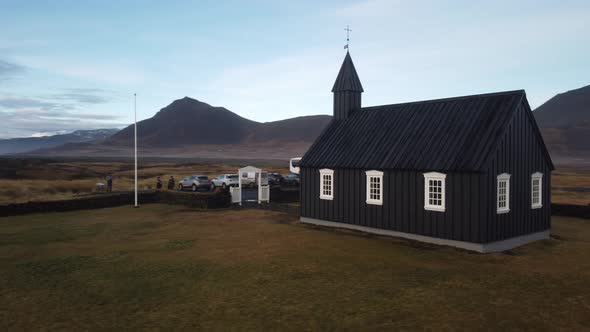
(168, 268)
(50, 180)
(571, 177)
(64, 180)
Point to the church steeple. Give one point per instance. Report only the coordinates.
(347, 90)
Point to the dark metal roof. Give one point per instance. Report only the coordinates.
(445, 134)
(348, 79)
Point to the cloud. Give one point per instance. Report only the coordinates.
(95, 116)
(116, 72)
(9, 70)
(60, 114)
(278, 88)
(85, 96)
(24, 123)
(406, 51)
(18, 44)
(48, 133)
(21, 102)
(24, 116)
(67, 99)
(424, 49)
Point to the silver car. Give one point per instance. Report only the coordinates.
(225, 180)
(194, 183)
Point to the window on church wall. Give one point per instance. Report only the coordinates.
(536, 190)
(327, 184)
(503, 193)
(374, 187)
(434, 191)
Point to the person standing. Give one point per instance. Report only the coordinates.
(159, 184)
(109, 179)
(171, 183)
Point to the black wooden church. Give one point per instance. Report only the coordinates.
(471, 172)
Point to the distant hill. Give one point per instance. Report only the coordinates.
(26, 144)
(191, 128)
(188, 127)
(187, 121)
(565, 109)
(299, 129)
(564, 121)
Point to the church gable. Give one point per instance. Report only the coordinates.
(521, 141)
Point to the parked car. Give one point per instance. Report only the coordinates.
(275, 179)
(225, 180)
(248, 179)
(194, 183)
(292, 179)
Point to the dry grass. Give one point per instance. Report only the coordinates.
(12, 191)
(52, 181)
(570, 197)
(168, 268)
(570, 177)
(62, 180)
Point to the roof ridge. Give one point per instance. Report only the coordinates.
(492, 94)
(454, 134)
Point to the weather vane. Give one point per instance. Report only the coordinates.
(347, 36)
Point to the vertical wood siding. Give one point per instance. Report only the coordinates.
(345, 102)
(403, 203)
(520, 154)
(470, 197)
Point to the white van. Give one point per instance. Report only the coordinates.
(248, 178)
(292, 163)
(251, 179)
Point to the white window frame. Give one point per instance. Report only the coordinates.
(434, 176)
(539, 204)
(324, 173)
(377, 175)
(504, 177)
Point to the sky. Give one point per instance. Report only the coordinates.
(69, 65)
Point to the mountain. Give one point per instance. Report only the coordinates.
(26, 144)
(565, 109)
(191, 128)
(187, 121)
(564, 121)
(299, 129)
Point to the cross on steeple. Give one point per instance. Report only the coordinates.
(347, 36)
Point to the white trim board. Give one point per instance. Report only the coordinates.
(326, 172)
(435, 176)
(498, 246)
(374, 175)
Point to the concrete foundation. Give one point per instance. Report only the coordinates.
(498, 246)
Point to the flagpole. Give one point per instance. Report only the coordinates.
(135, 142)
